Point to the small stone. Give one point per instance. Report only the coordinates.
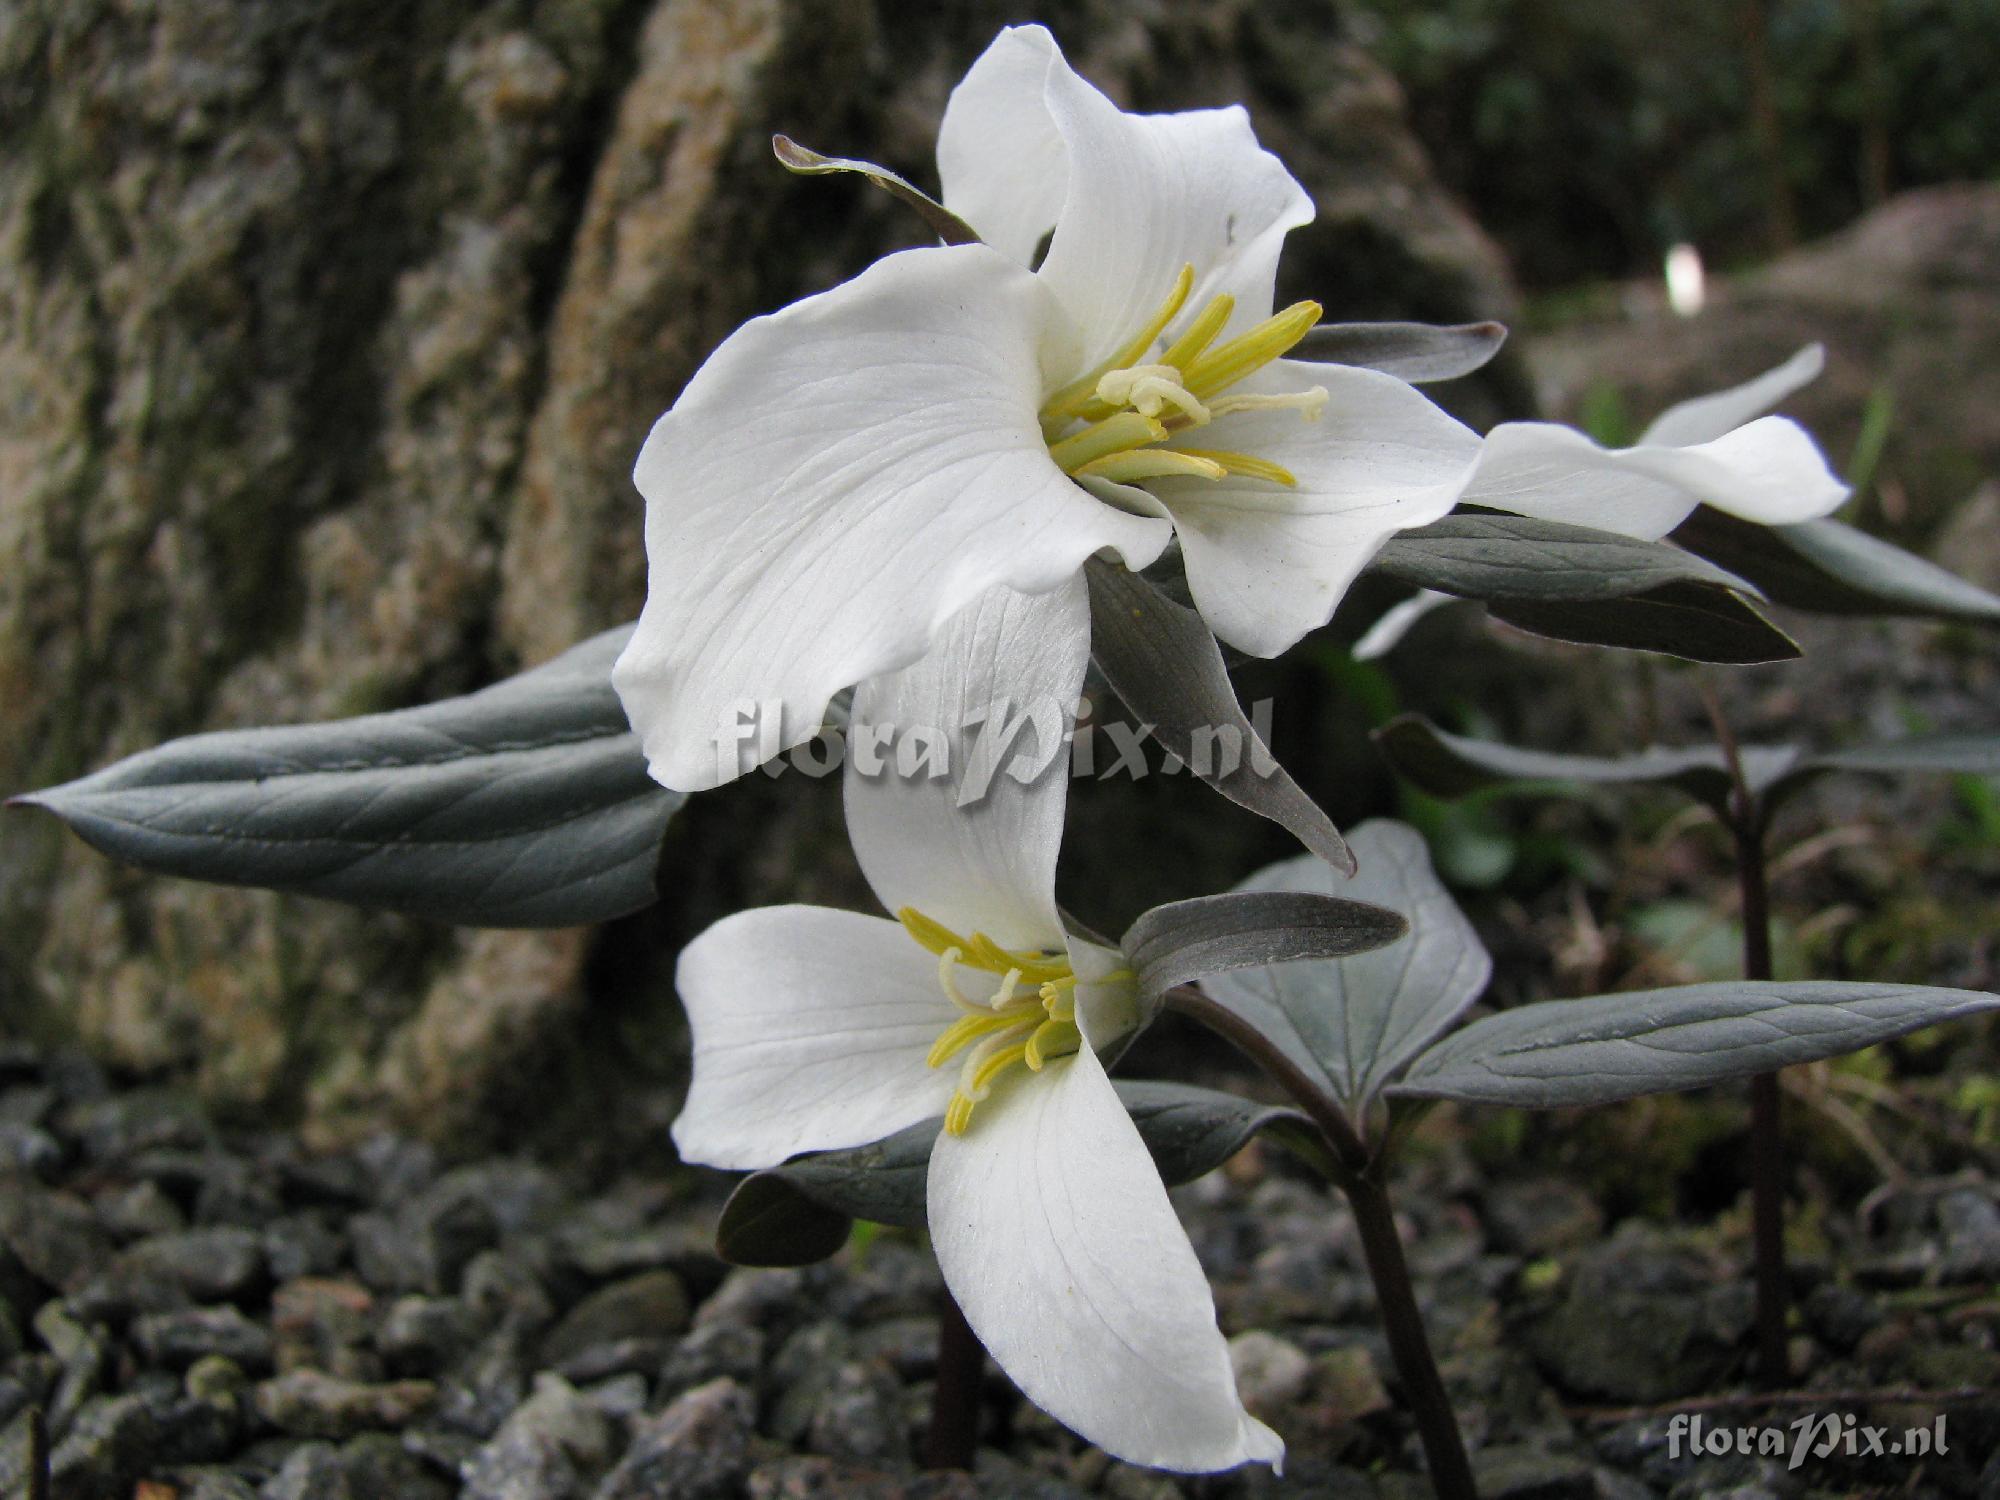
(1840, 1315)
(1542, 1216)
(178, 1339)
(859, 1415)
(621, 1398)
(224, 1263)
(543, 1448)
(620, 1357)
(1348, 1383)
(28, 1149)
(1513, 1471)
(306, 1403)
(140, 1210)
(54, 1235)
(652, 1304)
(815, 1478)
(501, 1288)
(313, 1471)
(697, 1449)
(1271, 1373)
(713, 1351)
(758, 1297)
(426, 1335)
(216, 1378)
(1971, 1225)
(487, 1386)
(302, 1245)
(321, 1323)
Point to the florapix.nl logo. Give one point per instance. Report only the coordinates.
(1022, 740)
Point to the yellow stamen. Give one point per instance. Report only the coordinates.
(1116, 434)
(1150, 390)
(1149, 463)
(1229, 363)
(1244, 464)
(1070, 401)
(964, 1032)
(1186, 349)
(957, 1114)
(992, 1066)
(934, 936)
(1051, 1039)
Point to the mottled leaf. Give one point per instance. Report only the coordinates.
(1416, 352)
(525, 805)
(1188, 940)
(801, 1212)
(1611, 1047)
(1162, 660)
(1829, 567)
(1351, 1023)
(947, 225)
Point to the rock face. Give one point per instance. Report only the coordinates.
(1904, 302)
(328, 333)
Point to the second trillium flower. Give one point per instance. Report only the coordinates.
(817, 1029)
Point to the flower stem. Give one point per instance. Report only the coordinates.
(1747, 819)
(38, 1455)
(1358, 1172)
(1444, 1448)
(954, 1432)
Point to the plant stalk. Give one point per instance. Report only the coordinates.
(1767, 1141)
(1358, 1174)
(1396, 1298)
(954, 1430)
(38, 1455)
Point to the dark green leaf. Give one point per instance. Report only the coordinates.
(1449, 765)
(525, 805)
(800, 1213)
(1495, 557)
(1611, 1047)
(1831, 568)
(1188, 940)
(1161, 659)
(1687, 620)
(1941, 754)
(1350, 1023)
(947, 225)
(1416, 352)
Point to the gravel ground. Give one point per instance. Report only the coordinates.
(221, 1316)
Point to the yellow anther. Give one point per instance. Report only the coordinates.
(1229, 363)
(965, 1031)
(1050, 1040)
(1245, 464)
(929, 934)
(1070, 401)
(1150, 463)
(1186, 349)
(957, 1114)
(992, 1066)
(1115, 434)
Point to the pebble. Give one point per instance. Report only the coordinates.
(544, 1450)
(306, 1403)
(697, 1449)
(179, 1339)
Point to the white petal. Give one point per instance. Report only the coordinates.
(1058, 1241)
(1769, 471)
(1141, 196)
(1708, 417)
(811, 1029)
(1002, 166)
(976, 848)
(1396, 622)
(1267, 563)
(833, 485)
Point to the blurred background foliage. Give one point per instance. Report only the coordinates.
(1589, 137)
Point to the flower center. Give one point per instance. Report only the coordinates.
(1029, 1019)
(1120, 422)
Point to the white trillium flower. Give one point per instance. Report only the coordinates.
(843, 476)
(1719, 450)
(817, 1029)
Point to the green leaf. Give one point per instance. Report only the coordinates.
(800, 1212)
(1830, 568)
(1162, 660)
(525, 805)
(1595, 588)
(1351, 1023)
(1941, 754)
(1611, 1047)
(1496, 557)
(1449, 765)
(1187, 940)
(1416, 352)
(947, 225)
